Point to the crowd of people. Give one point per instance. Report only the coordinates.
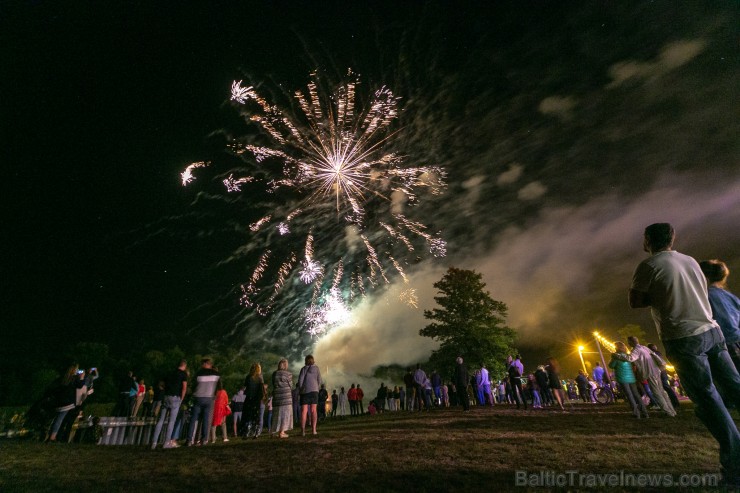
(695, 315)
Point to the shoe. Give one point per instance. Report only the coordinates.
(154, 445)
(226, 440)
(172, 444)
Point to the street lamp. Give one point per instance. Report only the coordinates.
(601, 354)
(583, 363)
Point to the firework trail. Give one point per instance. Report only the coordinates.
(187, 175)
(336, 189)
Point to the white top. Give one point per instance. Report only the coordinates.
(677, 293)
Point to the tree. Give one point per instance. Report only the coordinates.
(468, 323)
(631, 330)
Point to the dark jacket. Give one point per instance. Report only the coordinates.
(461, 377)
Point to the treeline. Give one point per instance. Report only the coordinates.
(25, 376)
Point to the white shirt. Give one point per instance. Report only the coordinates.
(677, 291)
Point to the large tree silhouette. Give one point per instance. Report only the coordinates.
(468, 323)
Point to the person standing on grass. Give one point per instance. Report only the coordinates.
(648, 367)
(360, 396)
(323, 397)
(436, 386)
(553, 381)
(342, 403)
(175, 387)
(725, 306)
(296, 399)
(408, 381)
(584, 389)
(674, 287)
(484, 384)
(598, 374)
(516, 370)
(534, 388)
(420, 377)
(237, 407)
(254, 391)
(203, 395)
(220, 411)
(282, 400)
(309, 383)
(627, 381)
(265, 406)
(460, 379)
(334, 403)
(502, 392)
(380, 397)
(352, 396)
(138, 398)
(664, 378)
(540, 375)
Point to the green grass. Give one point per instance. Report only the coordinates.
(445, 450)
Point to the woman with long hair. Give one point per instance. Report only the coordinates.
(254, 393)
(220, 411)
(282, 400)
(309, 383)
(553, 378)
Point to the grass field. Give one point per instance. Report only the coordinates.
(442, 450)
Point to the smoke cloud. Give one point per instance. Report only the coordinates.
(568, 268)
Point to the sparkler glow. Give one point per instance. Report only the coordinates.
(331, 160)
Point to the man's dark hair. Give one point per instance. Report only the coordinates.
(659, 236)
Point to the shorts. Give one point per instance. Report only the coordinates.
(309, 398)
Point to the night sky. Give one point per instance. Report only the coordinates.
(564, 131)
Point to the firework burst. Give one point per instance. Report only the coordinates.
(339, 192)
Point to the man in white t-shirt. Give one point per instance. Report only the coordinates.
(674, 288)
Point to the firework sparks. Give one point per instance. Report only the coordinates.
(311, 269)
(409, 297)
(187, 175)
(235, 184)
(333, 311)
(332, 153)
